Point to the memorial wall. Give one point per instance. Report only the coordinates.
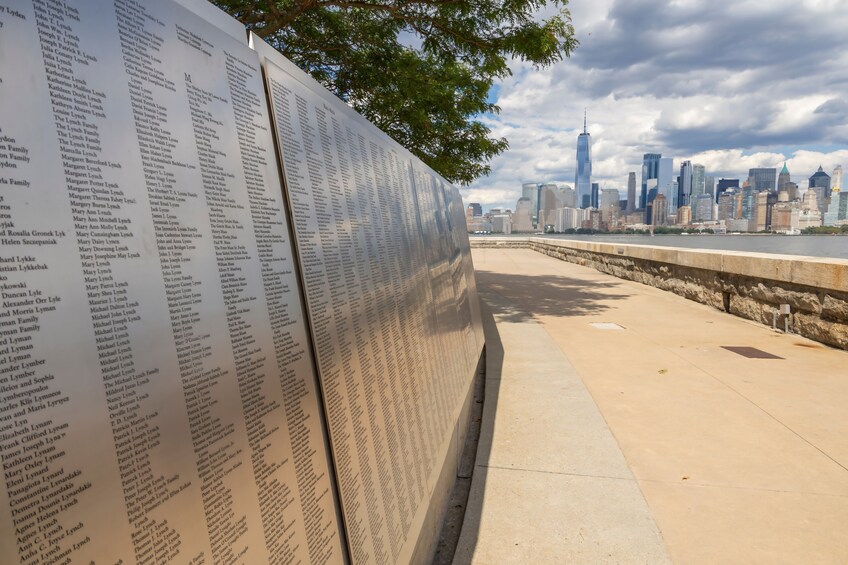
(184, 376)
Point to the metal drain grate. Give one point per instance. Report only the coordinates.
(750, 352)
(605, 326)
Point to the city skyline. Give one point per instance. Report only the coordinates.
(695, 81)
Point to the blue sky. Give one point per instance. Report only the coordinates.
(730, 85)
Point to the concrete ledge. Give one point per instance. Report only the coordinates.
(749, 285)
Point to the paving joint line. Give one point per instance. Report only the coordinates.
(583, 475)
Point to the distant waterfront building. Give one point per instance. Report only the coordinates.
(748, 194)
(522, 218)
(609, 205)
(724, 185)
(650, 172)
(551, 200)
(836, 179)
(820, 184)
(792, 190)
(659, 210)
(785, 217)
(631, 192)
(727, 205)
(531, 190)
(759, 220)
(783, 178)
(684, 184)
(665, 182)
(762, 179)
(684, 215)
(595, 195)
(583, 176)
(710, 186)
(476, 209)
(569, 218)
(502, 223)
(699, 181)
(703, 207)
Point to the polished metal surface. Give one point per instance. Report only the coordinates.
(391, 302)
(157, 394)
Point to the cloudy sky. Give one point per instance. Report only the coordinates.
(728, 84)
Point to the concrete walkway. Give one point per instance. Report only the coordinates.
(632, 445)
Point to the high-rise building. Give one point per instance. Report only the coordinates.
(747, 201)
(684, 215)
(710, 186)
(762, 179)
(703, 207)
(699, 181)
(531, 190)
(820, 184)
(631, 192)
(650, 172)
(550, 201)
(609, 207)
(792, 190)
(836, 179)
(783, 178)
(724, 185)
(684, 184)
(522, 218)
(759, 220)
(476, 209)
(727, 205)
(659, 210)
(665, 182)
(595, 195)
(583, 177)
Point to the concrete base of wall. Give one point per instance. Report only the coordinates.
(752, 286)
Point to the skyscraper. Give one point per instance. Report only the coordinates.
(595, 195)
(665, 182)
(684, 184)
(699, 181)
(724, 185)
(583, 177)
(836, 179)
(650, 172)
(531, 190)
(763, 179)
(631, 192)
(659, 210)
(820, 184)
(783, 178)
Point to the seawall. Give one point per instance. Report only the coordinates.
(749, 285)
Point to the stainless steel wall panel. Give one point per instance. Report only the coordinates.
(158, 396)
(382, 271)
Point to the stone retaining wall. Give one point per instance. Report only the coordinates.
(749, 285)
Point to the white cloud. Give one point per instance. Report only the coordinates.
(732, 86)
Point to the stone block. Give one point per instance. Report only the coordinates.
(829, 274)
(759, 266)
(825, 331)
(835, 308)
(700, 260)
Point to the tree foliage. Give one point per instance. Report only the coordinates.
(421, 70)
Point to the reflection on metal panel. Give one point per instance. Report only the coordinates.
(158, 396)
(386, 268)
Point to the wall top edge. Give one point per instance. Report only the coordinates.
(819, 272)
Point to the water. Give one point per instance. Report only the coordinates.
(832, 246)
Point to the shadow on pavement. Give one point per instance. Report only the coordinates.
(545, 295)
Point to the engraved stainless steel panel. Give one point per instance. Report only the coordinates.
(386, 283)
(157, 396)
